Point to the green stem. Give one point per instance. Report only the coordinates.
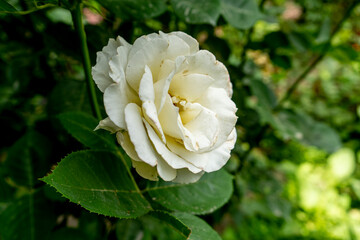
(319, 57)
(121, 156)
(79, 28)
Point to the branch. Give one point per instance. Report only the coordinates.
(319, 57)
(79, 28)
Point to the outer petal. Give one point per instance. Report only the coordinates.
(170, 158)
(185, 176)
(125, 142)
(193, 44)
(118, 63)
(101, 70)
(147, 96)
(165, 171)
(217, 100)
(138, 135)
(145, 170)
(209, 161)
(204, 62)
(177, 46)
(115, 101)
(108, 125)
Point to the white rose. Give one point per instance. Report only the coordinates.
(169, 104)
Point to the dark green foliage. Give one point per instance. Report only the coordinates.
(98, 180)
(196, 12)
(27, 159)
(30, 213)
(208, 194)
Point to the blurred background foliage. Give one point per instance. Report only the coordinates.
(295, 68)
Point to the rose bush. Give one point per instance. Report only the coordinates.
(169, 104)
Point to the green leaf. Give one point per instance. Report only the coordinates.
(241, 14)
(27, 159)
(98, 181)
(128, 229)
(5, 189)
(199, 228)
(355, 184)
(30, 217)
(276, 40)
(169, 219)
(266, 97)
(205, 196)
(283, 61)
(81, 126)
(324, 32)
(197, 12)
(68, 234)
(303, 128)
(299, 40)
(266, 100)
(342, 163)
(67, 95)
(6, 7)
(344, 53)
(92, 225)
(137, 10)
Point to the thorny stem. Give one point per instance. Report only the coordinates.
(79, 28)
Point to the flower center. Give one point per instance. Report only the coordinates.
(187, 110)
(182, 104)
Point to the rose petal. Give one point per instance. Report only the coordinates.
(138, 136)
(193, 44)
(185, 176)
(118, 63)
(100, 71)
(177, 46)
(172, 126)
(165, 171)
(115, 101)
(170, 119)
(204, 62)
(170, 158)
(189, 86)
(123, 42)
(224, 108)
(108, 125)
(167, 71)
(147, 96)
(204, 128)
(146, 87)
(148, 51)
(145, 170)
(208, 161)
(125, 142)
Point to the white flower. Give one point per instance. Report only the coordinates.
(169, 104)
